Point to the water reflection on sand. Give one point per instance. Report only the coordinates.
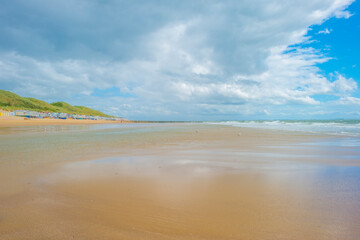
(180, 182)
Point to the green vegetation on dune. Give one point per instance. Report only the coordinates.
(44, 105)
(67, 108)
(10, 101)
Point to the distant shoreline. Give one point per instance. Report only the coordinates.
(20, 121)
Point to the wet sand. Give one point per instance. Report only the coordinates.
(177, 181)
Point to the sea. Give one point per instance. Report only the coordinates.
(349, 128)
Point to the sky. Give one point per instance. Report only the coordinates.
(186, 60)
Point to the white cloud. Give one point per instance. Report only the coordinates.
(325, 31)
(349, 101)
(343, 85)
(291, 78)
(185, 59)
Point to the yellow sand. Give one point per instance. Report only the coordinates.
(20, 121)
(186, 184)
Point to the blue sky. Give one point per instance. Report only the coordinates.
(340, 42)
(186, 60)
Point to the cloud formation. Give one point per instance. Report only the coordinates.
(170, 59)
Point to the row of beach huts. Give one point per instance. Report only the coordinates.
(54, 115)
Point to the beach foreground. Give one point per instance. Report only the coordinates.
(177, 181)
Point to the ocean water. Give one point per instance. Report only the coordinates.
(333, 127)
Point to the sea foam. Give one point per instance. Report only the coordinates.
(335, 127)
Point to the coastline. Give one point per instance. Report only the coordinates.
(20, 121)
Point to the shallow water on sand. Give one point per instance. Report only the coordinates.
(177, 181)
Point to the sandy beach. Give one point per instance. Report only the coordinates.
(20, 121)
(176, 181)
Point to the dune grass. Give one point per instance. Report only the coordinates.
(10, 101)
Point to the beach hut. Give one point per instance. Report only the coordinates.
(4, 113)
(63, 115)
(21, 113)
